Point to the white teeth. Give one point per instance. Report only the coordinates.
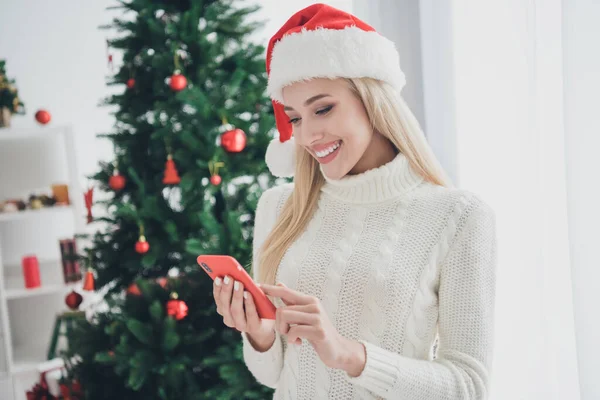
(328, 151)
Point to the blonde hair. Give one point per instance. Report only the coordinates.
(389, 115)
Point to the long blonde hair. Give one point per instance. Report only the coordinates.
(389, 115)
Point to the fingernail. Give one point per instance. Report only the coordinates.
(218, 281)
(236, 286)
(226, 280)
(245, 294)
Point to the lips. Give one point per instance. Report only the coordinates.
(325, 151)
(324, 146)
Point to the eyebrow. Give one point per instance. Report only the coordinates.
(309, 101)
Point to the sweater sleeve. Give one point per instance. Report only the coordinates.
(265, 366)
(466, 296)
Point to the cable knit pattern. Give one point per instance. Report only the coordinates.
(396, 262)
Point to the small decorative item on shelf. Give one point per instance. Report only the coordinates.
(31, 271)
(13, 205)
(43, 117)
(68, 254)
(60, 191)
(9, 98)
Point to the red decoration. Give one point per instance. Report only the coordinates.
(133, 289)
(89, 283)
(89, 201)
(130, 83)
(43, 117)
(234, 140)
(39, 392)
(116, 182)
(213, 167)
(31, 271)
(162, 282)
(215, 180)
(171, 174)
(178, 82)
(177, 308)
(73, 300)
(142, 246)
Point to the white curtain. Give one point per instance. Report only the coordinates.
(493, 96)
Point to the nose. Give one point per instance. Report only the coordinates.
(308, 134)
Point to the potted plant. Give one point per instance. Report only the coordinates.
(9, 98)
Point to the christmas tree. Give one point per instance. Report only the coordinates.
(192, 127)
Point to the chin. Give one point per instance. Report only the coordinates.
(333, 173)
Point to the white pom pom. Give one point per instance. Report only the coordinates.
(281, 158)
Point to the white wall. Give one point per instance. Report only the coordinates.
(58, 58)
(581, 33)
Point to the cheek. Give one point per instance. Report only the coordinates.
(356, 134)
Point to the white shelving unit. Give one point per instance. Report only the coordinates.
(31, 160)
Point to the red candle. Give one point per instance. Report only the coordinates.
(31, 272)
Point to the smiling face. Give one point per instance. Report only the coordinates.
(330, 122)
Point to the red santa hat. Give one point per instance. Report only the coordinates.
(320, 41)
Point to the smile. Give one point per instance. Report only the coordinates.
(328, 151)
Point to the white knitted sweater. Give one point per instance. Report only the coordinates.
(402, 265)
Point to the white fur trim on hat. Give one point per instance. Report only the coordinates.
(333, 53)
(281, 158)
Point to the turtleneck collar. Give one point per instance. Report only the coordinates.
(376, 185)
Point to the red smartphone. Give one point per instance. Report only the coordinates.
(219, 266)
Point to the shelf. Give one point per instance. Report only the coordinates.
(29, 213)
(26, 358)
(39, 291)
(51, 277)
(32, 132)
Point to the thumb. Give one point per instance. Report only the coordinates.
(281, 284)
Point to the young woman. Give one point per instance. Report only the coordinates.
(385, 274)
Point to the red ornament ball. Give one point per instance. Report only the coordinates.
(177, 308)
(234, 140)
(130, 83)
(43, 117)
(215, 180)
(73, 300)
(178, 82)
(142, 246)
(116, 182)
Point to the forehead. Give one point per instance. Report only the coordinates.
(296, 93)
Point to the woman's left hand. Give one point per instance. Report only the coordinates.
(303, 317)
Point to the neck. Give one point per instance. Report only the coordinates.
(389, 181)
(379, 152)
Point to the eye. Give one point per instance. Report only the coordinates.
(325, 110)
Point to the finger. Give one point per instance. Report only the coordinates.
(217, 285)
(252, 318)
(299, 332)
(306, 308)
(225, 299)
(237, 306)
(291, 317)
(287, 295)
(286, 302)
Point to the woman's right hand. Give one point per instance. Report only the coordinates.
(239, 311)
